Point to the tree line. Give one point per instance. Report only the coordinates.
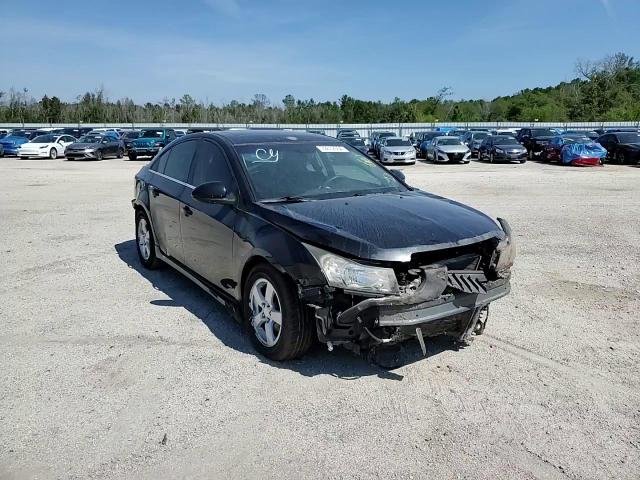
(604, 90)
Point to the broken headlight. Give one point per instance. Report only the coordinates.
(506, 249)
(341, 272)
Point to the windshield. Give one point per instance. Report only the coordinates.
(152, 134)
(398, 143)
(628, 137)
(131, 135)
(44, 139)
(541, 132)
(577, 139)
(91, 139)
(505, 141)
(480, 136)
(356, 142)
(449, 141)
(313, 170)
(386, 134)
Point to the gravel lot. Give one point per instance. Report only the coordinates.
(109, 371)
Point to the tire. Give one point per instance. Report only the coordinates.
(491, 158)
(621, 158)
(530, 154)
(99, 155)
(145, 242)
(120, 153)
(524, 160)
(133, 156)
(294, 335)
(53, 154)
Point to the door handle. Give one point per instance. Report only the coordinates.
(155, 192)
(187, 211)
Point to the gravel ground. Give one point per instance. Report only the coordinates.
(109, 371)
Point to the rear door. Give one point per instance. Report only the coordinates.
(208, 229)
(170, 182)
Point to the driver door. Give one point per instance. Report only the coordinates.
(208, 228)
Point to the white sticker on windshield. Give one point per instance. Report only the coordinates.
(270, 155)
(332, 149)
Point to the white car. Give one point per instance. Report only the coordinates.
(448, 149)
(397, 150)
(45, 146)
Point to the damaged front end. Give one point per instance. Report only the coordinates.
(440, 292)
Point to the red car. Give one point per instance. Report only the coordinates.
(553, 150)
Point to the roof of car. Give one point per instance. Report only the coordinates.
(240, 137)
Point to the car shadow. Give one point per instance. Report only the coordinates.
(340, 363)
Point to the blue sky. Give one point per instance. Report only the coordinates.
(220, 50)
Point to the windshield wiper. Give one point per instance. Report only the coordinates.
(286, 199)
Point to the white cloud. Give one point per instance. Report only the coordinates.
(607, 7)
(228, 7)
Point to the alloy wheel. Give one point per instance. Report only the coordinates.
(266, 312)
(144, 238)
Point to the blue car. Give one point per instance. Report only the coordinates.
(11, 142)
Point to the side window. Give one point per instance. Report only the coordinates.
(210, 165)
(161, 162)
(179, 160)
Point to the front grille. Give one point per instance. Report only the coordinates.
(455, 156)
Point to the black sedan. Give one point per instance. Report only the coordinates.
(502, 148)
(304, 238)
(622, 147)
(535, 139)
(95, 147)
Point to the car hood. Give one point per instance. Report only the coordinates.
(13, 140)
(82, 146)
(511, 148)
(144, 142)
(453, 148)
(544, 138)
(405, 148)
(35, 146)
(386, 227)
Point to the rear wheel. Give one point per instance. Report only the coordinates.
(273, 315)
(145, 242)
(53, 154)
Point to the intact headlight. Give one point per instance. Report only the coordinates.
(506, 249)
(43, 146)
(88, 150)
(341, 272)
(499, 150)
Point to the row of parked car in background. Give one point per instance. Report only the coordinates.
(439, 145)
(87, 143)
(442, 145)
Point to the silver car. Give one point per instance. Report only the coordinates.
(448, 149)
(397, 150)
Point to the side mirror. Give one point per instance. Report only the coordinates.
(213, 192)
(398, 174)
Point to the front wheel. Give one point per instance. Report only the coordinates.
(273, 315)
(98, 154)
(53, 154)
(491, 157)
(620, 158)
(133, 156)
(120, 153)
